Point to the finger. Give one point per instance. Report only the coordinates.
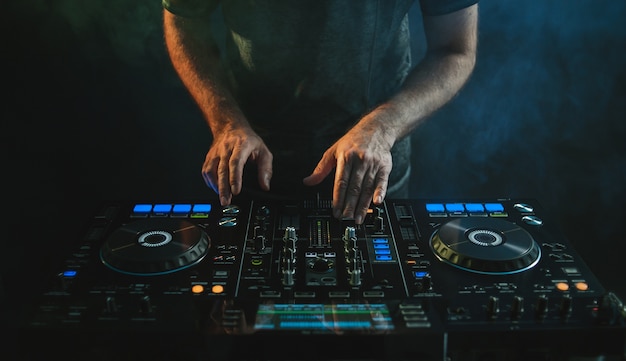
(382, 182)
(209, 172)
(236, 162)
(342, 179)
(264, 169)
(354, 190)
(365, 198)
(322, 170)
(223, 182)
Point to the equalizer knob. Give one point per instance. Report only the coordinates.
(355, 272)
(290, 238)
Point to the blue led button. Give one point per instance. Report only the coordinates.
(161, 210)
(201, 210)
(436, 210)
(181, 210)
(456, 209)
(495, 209)
(141, 210)
(475, 209)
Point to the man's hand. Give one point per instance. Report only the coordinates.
(363, 164)
(231, 150)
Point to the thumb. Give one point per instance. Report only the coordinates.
(322, 170)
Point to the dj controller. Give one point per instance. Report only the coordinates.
(283, 280)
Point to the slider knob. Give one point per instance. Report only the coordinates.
(145, 305)
(355, 273)
(290, 238)
(517, 308)
(349, 234)
(493, 307)
(111, 305)
(565, 309)
(259, 243)
(541, 309)
(288, 272)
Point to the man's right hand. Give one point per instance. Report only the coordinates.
(224, 163)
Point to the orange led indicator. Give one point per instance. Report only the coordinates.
(197, 288)
(582, 286)
(562, 286)
(217, 289)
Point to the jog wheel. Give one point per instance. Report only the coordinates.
(154, 247)
(485, 245)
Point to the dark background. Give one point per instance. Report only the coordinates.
(93, 111)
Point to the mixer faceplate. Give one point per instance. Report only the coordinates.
(485, 245)
(154, 246)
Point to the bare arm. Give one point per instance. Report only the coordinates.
(195, 58)
(362, 157)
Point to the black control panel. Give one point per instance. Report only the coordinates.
(419, 279)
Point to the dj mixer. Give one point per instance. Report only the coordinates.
(428, 279)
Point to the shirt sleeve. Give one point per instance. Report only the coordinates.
(441, 7)
(190, 8)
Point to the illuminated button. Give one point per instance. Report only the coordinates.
(181, 209)
(162, 208)
(494, 207)
(382, 251)
(435, 207)
(142, 208)
(197, 289)
(383, 258)
(69, 273)
(217, 289)
(474, 207)
(381, 246)
(582, 286)
(455, 207)
(562, 286)
(257, 262)
(201, 208)
(380, 240)
(411, 262)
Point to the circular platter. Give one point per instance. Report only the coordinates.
(154, 247)
(485, 245)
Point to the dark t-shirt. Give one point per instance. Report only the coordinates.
(305, 71)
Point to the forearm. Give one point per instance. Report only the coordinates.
(431, 84)
(448, 64)
(195, 58)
